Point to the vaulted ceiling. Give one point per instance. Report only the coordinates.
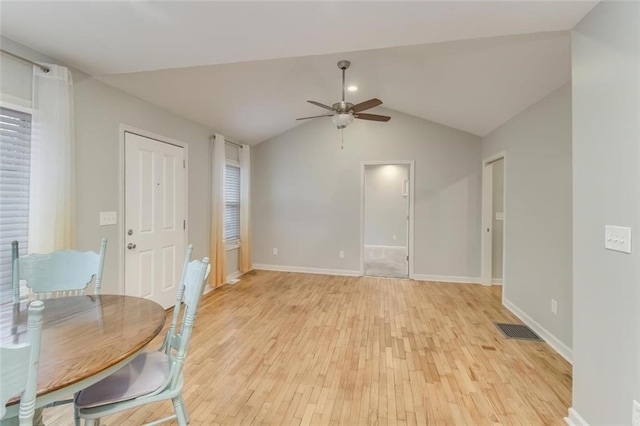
(246, 68)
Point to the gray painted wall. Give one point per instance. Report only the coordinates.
(606, 177)
(99, 110)
(385, 205)
(538, 225)
(306, 193)
(498, 228)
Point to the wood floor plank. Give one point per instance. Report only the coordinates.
(287, 348)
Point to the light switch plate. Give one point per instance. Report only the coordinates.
(108, 218)
(617, 238)
(635, 416)
(499, 215)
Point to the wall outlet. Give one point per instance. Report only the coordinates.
(275, 251)
(108, 218)
(341, 254)
(554, 306)
(635, 417)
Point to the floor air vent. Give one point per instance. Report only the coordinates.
(518, 331)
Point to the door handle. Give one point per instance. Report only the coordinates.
(131, 246)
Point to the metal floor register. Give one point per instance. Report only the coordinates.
(518, 331)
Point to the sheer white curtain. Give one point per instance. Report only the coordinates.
(244, 261)
(217, 246)
(52, 185)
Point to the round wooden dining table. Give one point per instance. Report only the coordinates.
(84, 339)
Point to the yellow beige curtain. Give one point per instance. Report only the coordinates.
(218, 274)
(244, 261)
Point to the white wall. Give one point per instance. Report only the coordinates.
(498, 228)
(606, 177)
(99, 110)
(306, 193)
(538, 214)
(385, 205)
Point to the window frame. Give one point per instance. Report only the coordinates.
(235, 243)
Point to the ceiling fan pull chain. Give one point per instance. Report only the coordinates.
(342, 139)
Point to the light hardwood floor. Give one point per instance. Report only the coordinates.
(287, 348)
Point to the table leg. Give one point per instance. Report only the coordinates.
(15, 421)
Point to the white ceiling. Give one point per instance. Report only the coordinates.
(246, 68)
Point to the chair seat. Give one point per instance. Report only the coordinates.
(145, 374)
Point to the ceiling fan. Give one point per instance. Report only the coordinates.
(343, 112)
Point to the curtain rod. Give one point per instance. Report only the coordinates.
(233, 143)
(44, 68)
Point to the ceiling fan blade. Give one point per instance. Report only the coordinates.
(321, 105)
(372, 117)
(315, 116)
(366, 105)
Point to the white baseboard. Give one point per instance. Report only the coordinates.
(551, 340)
(232, 278)
(387, 247)
(575, 419)
(447, 279)
(305, 270)
(496, 281)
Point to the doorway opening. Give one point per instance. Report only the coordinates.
(493, 219)
(387, 219)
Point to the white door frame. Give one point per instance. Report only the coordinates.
(125, 128)
(487, 219)
(411, 164)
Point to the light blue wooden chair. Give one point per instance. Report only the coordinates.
(19, 368)
(157, 375)
(58, 274)
(15, 291)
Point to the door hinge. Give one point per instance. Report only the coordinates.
(407, 258)
(184, 224)
(184, 164)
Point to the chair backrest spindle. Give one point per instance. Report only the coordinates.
(195, 275)
(166, 345)
(15, 291)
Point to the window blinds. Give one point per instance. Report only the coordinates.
(232, 203)
(15, 159)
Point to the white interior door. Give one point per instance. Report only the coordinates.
(487, 223)
(155, 202)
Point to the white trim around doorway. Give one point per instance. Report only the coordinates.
(487, 217)
(411, 164)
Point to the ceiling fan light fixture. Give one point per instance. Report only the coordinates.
(342, 120)
(343, 112)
